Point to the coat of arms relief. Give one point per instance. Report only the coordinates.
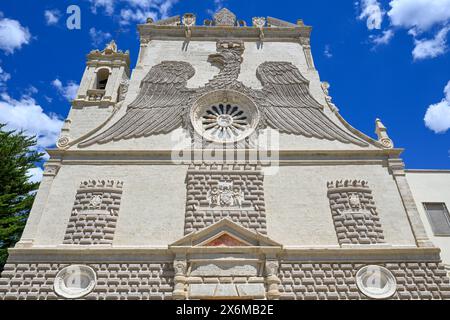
(225, 195)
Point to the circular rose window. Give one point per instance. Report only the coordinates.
(224, 116)
(75, 281)
(376, 282)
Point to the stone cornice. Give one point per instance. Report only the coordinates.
(437, 171)
(305, 157)
(392, 153)
(96, 57)
(331, 254)
(213, 33)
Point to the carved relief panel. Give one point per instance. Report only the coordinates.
(354, 212)
(94, 214)
(222, 191)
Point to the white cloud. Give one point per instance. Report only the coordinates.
(135, 10)
(68, 91)
(107, 5)
(427, 21)
(52, 16)
(98, 37)
(327, 52)
(431, 48)
(382, 39)
(12, 35)
(4, 76)
(437, 117)
(372, 12)
(419, 14)
(26, 115)
(35, 174)
(128, 16)
(218, 4)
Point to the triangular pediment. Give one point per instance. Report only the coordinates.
(225, 233)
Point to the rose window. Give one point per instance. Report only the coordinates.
(225, 121)
(224, 116)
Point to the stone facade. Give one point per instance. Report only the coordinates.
(337, 281)
(115, 281)
(148, 223)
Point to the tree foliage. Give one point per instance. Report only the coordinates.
(17, 156)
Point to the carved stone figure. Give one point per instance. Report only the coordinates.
(214, 197)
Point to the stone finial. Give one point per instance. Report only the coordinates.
(326, 88)
(224, 17)
(188, 19)
(149, 20)
(110, 48)
(259, 22)
(382, 134)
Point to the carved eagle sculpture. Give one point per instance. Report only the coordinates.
(159, 106)
(285, 101)
(288, 106)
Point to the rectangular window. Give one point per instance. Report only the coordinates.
(439, 218)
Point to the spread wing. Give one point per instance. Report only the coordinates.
(158, 108)
(289, 107)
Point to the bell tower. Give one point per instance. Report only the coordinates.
(103, 85)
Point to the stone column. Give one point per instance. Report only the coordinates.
(305, 42)
(40, 202)
(180, 267)
(271, 279)
(396, 166)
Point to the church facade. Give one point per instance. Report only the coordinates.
(219, 168)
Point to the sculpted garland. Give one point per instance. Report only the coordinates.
(284, 103)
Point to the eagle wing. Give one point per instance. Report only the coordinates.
(158, 108)
(289, 107)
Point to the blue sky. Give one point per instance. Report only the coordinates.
(386, 59)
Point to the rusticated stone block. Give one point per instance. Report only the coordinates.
(114, 282)
(354, 213)
(217, 191)
(94, 214)
(417, 281)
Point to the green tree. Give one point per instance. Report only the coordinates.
(17, 156)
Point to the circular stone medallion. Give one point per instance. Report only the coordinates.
(75, 281)
(224, 116)
(376, 282)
